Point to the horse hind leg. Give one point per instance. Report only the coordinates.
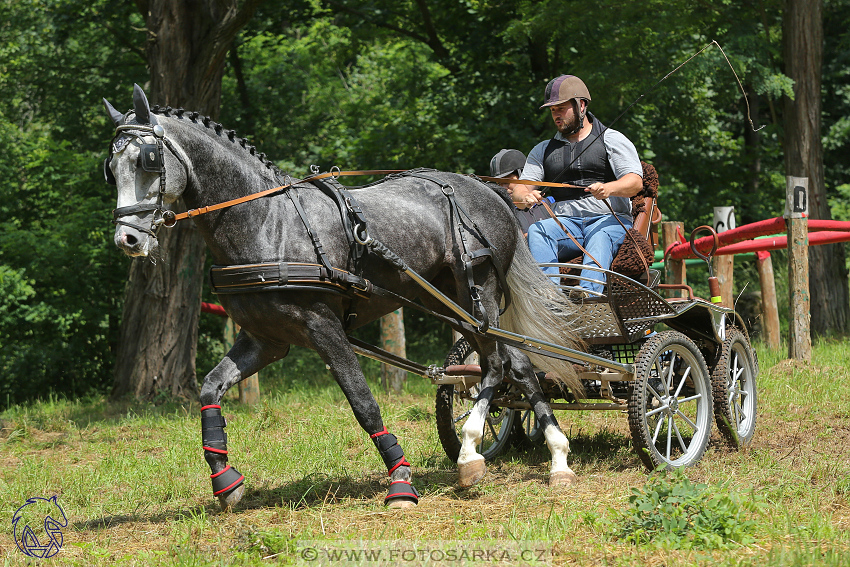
(247, 357)
(522, 373)
(471, 464)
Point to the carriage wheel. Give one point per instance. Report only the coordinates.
(670, 407)
(453, 409)
(734, 383)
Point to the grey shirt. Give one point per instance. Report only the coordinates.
(623, 157)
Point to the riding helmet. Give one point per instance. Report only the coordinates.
(506, 162)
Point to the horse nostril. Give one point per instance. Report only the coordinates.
(130, 240)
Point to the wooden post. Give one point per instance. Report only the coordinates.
(674, 270)
(724, 266)
(769, 306)
(249, 388)
(392, 340)
(796, 222)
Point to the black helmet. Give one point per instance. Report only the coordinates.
(506, 162)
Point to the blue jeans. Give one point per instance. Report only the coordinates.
(600, 235)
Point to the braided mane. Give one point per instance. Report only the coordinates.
(207, 122)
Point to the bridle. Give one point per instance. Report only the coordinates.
(152, 160)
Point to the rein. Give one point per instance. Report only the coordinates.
(170, 218)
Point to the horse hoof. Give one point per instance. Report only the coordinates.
(562, 478)
(471, 472)
(228, 501)
(401, 503)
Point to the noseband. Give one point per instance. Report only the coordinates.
(152, 160)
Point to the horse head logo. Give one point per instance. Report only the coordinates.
(31, 514)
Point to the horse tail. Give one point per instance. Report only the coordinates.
(539, 310)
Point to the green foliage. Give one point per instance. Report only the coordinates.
(60, 278)
(379, 84)
(671, 512)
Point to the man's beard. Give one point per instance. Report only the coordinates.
(571, 127)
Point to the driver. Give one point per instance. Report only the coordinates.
(584, 153)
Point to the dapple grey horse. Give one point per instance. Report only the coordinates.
(452, 231)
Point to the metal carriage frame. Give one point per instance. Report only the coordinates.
(673, 383)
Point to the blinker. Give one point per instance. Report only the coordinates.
(150, 158)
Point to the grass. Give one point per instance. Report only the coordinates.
(133, 482)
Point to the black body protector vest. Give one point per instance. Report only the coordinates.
(560, 164)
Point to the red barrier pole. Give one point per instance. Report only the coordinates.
(780, 242)
(767, 227)
(213, 309)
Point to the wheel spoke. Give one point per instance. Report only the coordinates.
(737, 416)
(653, 392)
(492, 429)
(657, 430)
(690, 399)
(689, 422)
(737, 369)
(669, 381)
(682, 383)
(655, 411)
(463, 415)
(682, 444)
(669, 435)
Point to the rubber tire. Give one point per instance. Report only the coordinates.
(643, 427)
(735, 355)
(449, 430)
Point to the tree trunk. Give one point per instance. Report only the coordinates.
(187, 45)
(803, 44)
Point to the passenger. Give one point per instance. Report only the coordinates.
(585, 153)
(508, 164)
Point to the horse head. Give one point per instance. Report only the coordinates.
(150, 172)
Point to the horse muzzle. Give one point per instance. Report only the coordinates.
(133, 242)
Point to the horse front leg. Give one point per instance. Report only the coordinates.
(247, 357)
(470, 463)
(522, 373)
(332, 345)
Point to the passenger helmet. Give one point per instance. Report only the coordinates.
(506, 162)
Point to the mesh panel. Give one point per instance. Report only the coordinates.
(626, 353)
(633, 304)
(597, 320)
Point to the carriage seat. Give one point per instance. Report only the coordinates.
(646, 216)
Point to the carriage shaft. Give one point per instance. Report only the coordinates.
(537, 346)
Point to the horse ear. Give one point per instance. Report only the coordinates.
(141, 106)
(117, 117)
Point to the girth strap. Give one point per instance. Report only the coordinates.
(353, 221)
(458, 215)
(317, 244)
(351, 215)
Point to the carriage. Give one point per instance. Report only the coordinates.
(674, 365)
(306, 262)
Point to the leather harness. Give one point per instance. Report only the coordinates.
(276, 276)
